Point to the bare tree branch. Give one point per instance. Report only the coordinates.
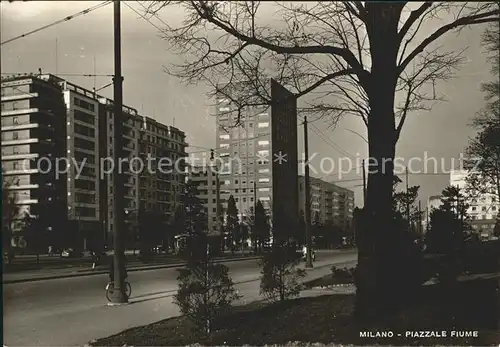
(485, 17)
(414, 16)
(319, 50)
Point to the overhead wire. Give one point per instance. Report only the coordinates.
(65, 19)
(59, 74)
(142, 16)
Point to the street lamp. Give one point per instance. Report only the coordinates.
(217, 199)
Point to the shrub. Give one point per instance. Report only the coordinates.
(280, 275)
(205, 289)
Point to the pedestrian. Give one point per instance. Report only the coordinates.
(95, 259)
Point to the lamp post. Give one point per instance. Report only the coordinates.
(118, 296)
(217, 200)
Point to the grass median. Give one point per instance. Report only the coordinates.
(329, 319)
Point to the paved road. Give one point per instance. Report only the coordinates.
(28, 262)
(72, 311)
(73, 271)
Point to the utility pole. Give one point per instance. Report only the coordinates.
(57, 57)
(407, 201)
(307, 199)
(364, 183)
(254, 214)
(254, 195)
(420, 229)
(427, 224)
(217, 200)
(118, 296)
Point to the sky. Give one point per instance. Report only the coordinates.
(72, 47)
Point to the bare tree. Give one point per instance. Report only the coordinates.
(368, 59)
(484, 149)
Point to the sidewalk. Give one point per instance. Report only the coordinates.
(79, 271)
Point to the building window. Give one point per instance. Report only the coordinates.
(263, 170)
(263, 180)
(264, 143)
(84, 104)
(263, 124)
(224, 137)
(83, 130)
(84, 117)
(263, 189)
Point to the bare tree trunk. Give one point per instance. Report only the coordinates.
(377, 262)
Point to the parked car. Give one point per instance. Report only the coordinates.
(159, 249)
(70, 253)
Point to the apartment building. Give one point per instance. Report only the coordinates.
(161, 188)
(331, 203)
(483, 209)
(154, 172)
(205, 177)
(44, 116)
(244, 154)
(33, 131)
(132, 123)
(82, 151)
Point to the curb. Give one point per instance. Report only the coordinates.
(334, 286)
(101, 272)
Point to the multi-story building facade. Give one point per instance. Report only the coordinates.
(44, 116)
(33, 127)
(161, 187)
(132, 123)
(154, 172)
(248, 143)
(331, 203)
(82, 154)
(483, 208)
(244, 154)
(205, 177)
